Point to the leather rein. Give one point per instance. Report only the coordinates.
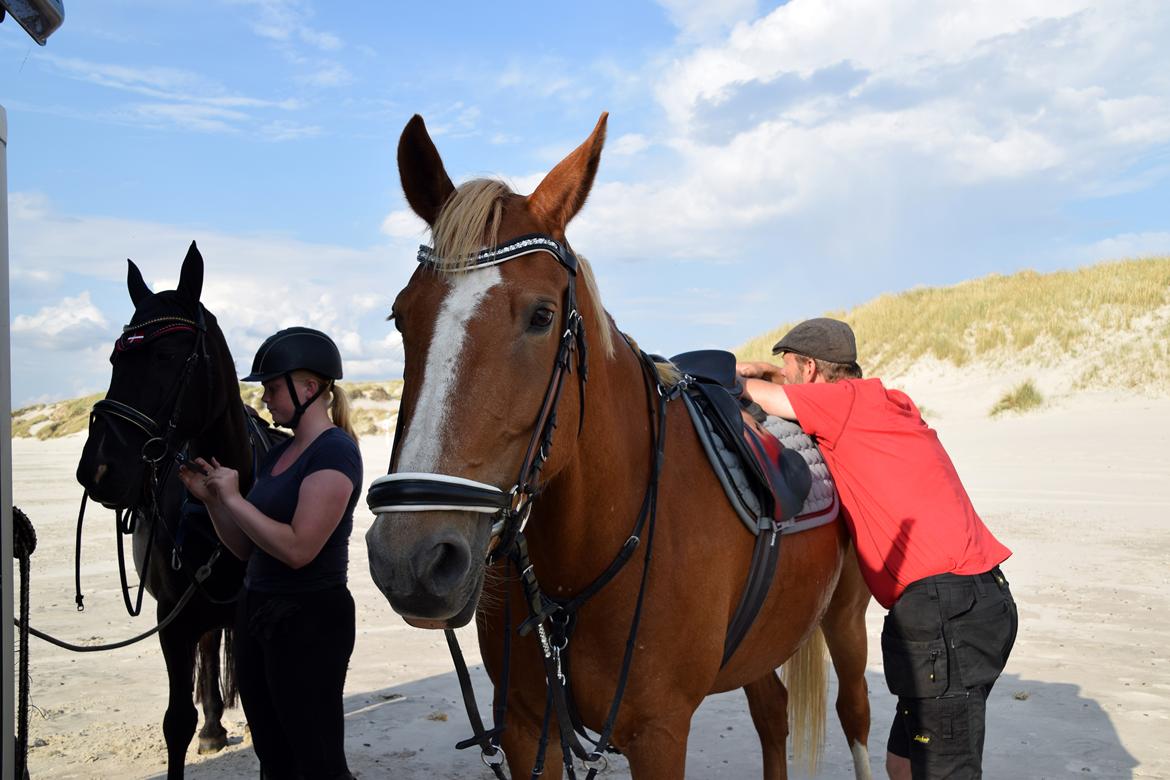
(509, 510)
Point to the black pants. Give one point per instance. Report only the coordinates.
(944, 644)
(291, 655)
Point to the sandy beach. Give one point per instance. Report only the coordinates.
(1078, 489)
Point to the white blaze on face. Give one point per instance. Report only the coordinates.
(426, 439)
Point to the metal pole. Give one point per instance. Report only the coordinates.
(7, 594)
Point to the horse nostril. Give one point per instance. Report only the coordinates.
(441, 569)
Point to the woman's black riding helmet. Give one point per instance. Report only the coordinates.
(294, 349)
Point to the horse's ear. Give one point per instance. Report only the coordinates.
(191, 275)
(136, 284)
(424, 180)
(563, 192)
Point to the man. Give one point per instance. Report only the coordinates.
(924, 552)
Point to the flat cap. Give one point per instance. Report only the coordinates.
(821, 338)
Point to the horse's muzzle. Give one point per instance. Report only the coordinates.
(432, 579)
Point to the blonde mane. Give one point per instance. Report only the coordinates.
(470, 221)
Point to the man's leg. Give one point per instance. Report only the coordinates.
(942, 681)
(898, 750)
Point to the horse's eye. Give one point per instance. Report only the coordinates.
(541, 319)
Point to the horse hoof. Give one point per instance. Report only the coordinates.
(212, 744)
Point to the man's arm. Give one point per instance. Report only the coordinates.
(771, 398)
(758, 369)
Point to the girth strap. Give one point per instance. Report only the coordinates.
(755, 592)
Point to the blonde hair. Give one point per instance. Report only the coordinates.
(470, 220)
(338, 401)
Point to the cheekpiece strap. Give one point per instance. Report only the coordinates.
(523, 245)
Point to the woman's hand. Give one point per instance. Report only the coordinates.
(218, 483)
(195, 481)
(223, 481)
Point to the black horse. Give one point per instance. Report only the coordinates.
(174, 392)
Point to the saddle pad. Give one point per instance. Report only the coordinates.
(822, 496)
(820, 506)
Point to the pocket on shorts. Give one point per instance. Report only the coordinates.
(915, 670)
(938, 727)
(982, 640)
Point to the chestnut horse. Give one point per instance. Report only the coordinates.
(173, 388)
(622, 470)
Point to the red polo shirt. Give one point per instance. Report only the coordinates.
(907, 510)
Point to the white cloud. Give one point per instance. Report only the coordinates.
(283, 130)
(73, 324)
(628, 144)
(1127, 245)
(254, 284)
(327, 74)
(404, 223)
(288, 21)
(898, 38)
(835, 108)
(703, 20)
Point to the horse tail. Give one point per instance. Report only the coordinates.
(806, 677)
(228, 686)
(210, 671)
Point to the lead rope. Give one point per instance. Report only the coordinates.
(77, 597)
(24, 540)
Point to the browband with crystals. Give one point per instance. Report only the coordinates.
(524, 245)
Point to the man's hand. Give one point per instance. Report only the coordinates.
(758, 369)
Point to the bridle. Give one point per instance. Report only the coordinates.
(508, 510)
(160, 439)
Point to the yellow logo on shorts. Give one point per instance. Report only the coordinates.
(923, 738)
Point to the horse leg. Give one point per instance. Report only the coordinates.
(519, 743)
(178, 649)
(658, 750)
(845, 635)
(213, 736)
(768, 703)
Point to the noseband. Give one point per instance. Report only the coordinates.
(508, 509)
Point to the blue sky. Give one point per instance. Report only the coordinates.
(765, 162)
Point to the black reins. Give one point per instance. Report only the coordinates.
(509, 511)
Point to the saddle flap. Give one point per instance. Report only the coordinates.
(780, 481)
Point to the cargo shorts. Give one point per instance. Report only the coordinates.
(944, 644)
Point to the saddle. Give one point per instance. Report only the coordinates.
(771, 471)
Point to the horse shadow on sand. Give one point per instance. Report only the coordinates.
(1036, 729)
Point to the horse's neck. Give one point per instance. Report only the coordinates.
(226, 439)
(590, 507)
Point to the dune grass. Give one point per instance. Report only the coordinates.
(1020, 398)
(52, 420)
(1039, 319)
(49, 421)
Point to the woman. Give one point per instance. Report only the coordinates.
(295, 623)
